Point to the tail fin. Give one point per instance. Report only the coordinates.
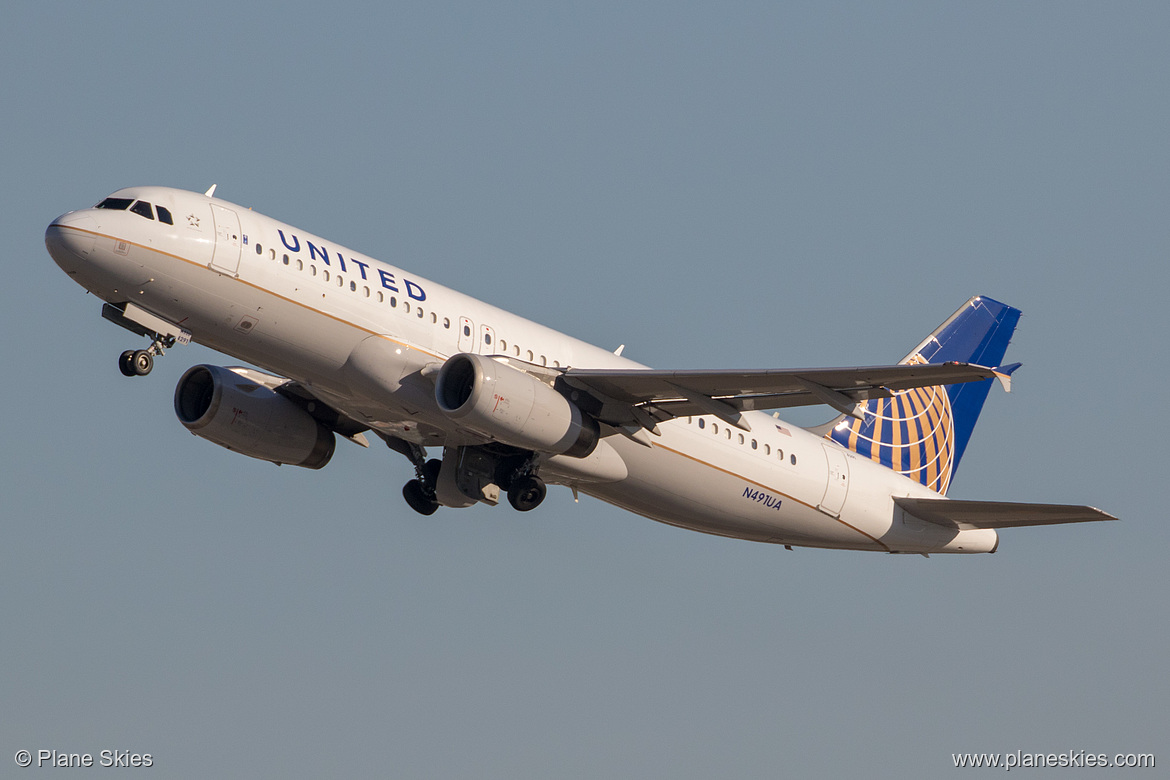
(922, 433)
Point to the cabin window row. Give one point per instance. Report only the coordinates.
(406, 306)
(733, 436)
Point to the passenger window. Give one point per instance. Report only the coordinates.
(142, 209)
(312, 270)
(300, 264)
(702, 423)
(729, 434)
(466, 330)
(367, 289)
(487, 338)
(420, 312)
(272, 254)
(115, 204)
(516, 349)
(340, 281)
(556, 364)
(780, 454)
(284, 259)
(447, 323)
(529, 356)
(393, 302)
(793, 459)
(380, 296)
(754, 445)
(164, 215)
(741, 438)
(325, 274)
(543, 362)
(406, 306)
(767, 449)
(259, 249)
(434, 318)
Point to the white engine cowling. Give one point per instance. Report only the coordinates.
(512, 407)
(224, 407)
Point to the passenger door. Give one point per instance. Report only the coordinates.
(225, 256)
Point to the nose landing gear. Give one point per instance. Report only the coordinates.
(135, 362)
(140, 362)
(163, 334)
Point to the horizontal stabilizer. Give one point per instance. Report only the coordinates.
(966, 515)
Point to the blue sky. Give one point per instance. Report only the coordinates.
(728, 185)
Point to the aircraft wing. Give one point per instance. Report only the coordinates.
(966, 515)
(624, 397)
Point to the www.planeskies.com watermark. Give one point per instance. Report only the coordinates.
(1069, 759)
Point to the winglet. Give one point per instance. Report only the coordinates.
(211, 192)
(1004, 375)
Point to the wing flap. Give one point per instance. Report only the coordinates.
(967, 515)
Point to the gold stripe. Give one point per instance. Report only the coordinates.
(875, 453)
(896, 431)
(916, 450)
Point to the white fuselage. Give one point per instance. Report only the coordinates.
(303, 307)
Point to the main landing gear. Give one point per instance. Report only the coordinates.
(140, 362)
(479, 475)
(525, 489)
(420, 492)
(526, 493)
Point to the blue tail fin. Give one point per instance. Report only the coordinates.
(922, 433)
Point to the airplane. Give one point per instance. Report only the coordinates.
(346, 345)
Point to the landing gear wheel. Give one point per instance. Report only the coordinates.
(526, 493)
(126, 363)
(142, 362)
(418, 499)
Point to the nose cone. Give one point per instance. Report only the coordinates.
(70, 239)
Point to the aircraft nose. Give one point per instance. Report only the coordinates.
(70, 237)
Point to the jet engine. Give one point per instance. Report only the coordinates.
(243, 416)
(513, 407)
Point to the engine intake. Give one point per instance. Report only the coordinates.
(513, 407)
(243, 416)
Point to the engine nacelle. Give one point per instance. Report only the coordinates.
(513, 407)
(224, 407)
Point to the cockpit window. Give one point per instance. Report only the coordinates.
(142, 209)
(164, 215)
(117, 204)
